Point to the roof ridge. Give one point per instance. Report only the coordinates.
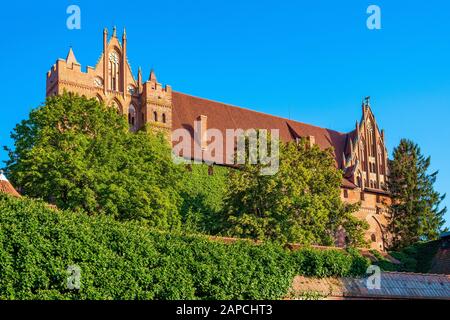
(260, 112)
(417, 273)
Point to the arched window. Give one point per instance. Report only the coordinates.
(380, 159)
(359, 180)
(114, 70)
(155, 116)
(132, 116)
(370, 139)
(373, 237)
(362, 154)
(164, 118)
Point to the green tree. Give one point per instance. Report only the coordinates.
(79, 154)
(300, 203)
(203, 188)
(415, 213)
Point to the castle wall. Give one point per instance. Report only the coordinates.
(364, 158)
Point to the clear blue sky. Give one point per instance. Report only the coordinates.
(311, 61)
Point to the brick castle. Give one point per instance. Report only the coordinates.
(361, 154)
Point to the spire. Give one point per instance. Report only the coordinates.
(71, 57)
(6, 187)
(152, 76)
(124, 34)
(139, 79)
(114, 32)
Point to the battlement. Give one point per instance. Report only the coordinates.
(111, 81)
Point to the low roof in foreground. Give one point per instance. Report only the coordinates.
(6, 187)
(393, 285)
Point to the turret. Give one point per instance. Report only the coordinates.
(105, 60)
(139, 80)
(152, 77)
(124, 61)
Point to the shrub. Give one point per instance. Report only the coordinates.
(203, 196)
(415, 258)
(328, 263)
(127, 260)
(79, 154)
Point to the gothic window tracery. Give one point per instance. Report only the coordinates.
(380, 159)
(114, 70)
(370, 138)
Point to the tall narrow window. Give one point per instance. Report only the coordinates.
(380, 159)
(114, 70)
(155, 116)
(164, 118)
(370, 139)
(132, 116)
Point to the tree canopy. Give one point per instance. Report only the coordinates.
(77, 153)
(415, 212)
(300, 203)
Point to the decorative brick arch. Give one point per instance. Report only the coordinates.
(99, 98)
(379, 233)
(115, 103)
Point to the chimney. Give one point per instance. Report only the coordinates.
(201, 128)
(312, 141)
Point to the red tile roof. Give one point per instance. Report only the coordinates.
(393, 285)
(6, 187)
(186, 109)
(441, 261)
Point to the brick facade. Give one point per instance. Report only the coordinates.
(361, 153)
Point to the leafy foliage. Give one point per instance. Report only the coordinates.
(202, 189)
(300, 203)
(415, 210)
(415, 258)
(127, 260)
(79, 154)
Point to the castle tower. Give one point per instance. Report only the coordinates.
(112, 82)
(157, 104)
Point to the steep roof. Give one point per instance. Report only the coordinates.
(221, 116)
(393, 285)
(6, 187)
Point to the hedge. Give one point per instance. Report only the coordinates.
(126, 260)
